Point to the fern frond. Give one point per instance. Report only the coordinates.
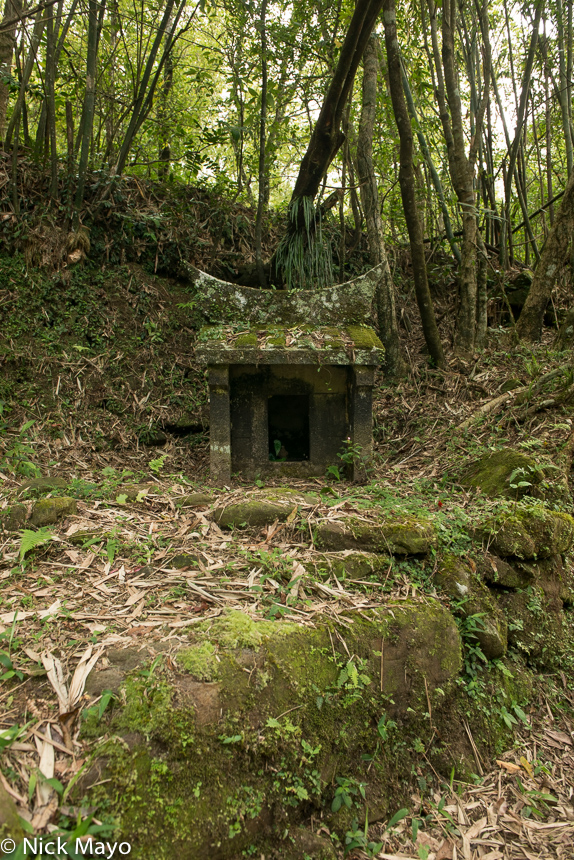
(30, 540)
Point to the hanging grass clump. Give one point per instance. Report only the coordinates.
(304, 257)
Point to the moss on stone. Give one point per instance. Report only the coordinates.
(536, 629)
(13, 518)
(500, 473)
(529, 532)
(194, 500)
(404, 536)
(199, 660)
(83, 536)
(217, 787)
(235, 629)
(348, 565)
(37, 487)
(255, 513)
(364, 337)
(10, 826)
(48, 511)
(456, 578)
(248, 338)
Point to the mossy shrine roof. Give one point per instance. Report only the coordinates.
(253, 326)
(305, 344)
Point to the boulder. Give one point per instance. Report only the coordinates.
(37, 487)
(528, 533)
(500, 573)
(195, 500)
(399, 536)
(226, 748)
(535, 627)
(10, 827)
(456, 578)
(512, 474)
(348, 564)
(255, 513)
(13, 518)
(48, 511)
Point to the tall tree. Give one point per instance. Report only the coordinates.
(12, 10)
(554, 254)
(407, 183)
(326, 140)
(385, 293)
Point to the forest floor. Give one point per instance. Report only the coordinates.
(89, 411)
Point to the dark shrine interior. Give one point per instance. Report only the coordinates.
(288, 418)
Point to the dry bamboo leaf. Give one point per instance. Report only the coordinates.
(83, 669)
(56, 678)
(508, 765)
(45, 792)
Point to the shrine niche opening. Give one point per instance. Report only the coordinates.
(288, 422)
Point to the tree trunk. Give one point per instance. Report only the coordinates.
(14, 123)
(87, 121)
(302, 259)
(385, 294)
(554, 253)
(326, 138)
(407, 184)
(7, 43)
(262, 141)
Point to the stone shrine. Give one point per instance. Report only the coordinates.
(290, 375)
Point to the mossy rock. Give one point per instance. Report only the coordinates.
(529, 533)
(133, 492)
(224, 766)
(48, 511)
(13, 518)
(185, 559)
(348, 564)
(10, 827)
(152, 437)
(554, 578)
(199, 660)
(405, 536)
(536, 629)
(195, 500)
(492, 475)
(37, 487)
(456, 578)
(500, 573)
(84, 536)
(302, 843)
(255, 513)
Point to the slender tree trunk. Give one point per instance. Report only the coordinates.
(39, 23)
(12, 9)
(87, 121)
(407, 183)
(262, 143)
(164, 154)
(49, 82)
(326, 138)
(554, 254)
(385, 294)
(432, 169)
(564, 87)
(461, 170)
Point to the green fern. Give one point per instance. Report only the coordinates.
(30, 540)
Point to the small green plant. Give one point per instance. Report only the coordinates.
(346, 793)
(17, 457)
(30, 540)
(157, 465)
(357, 838)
